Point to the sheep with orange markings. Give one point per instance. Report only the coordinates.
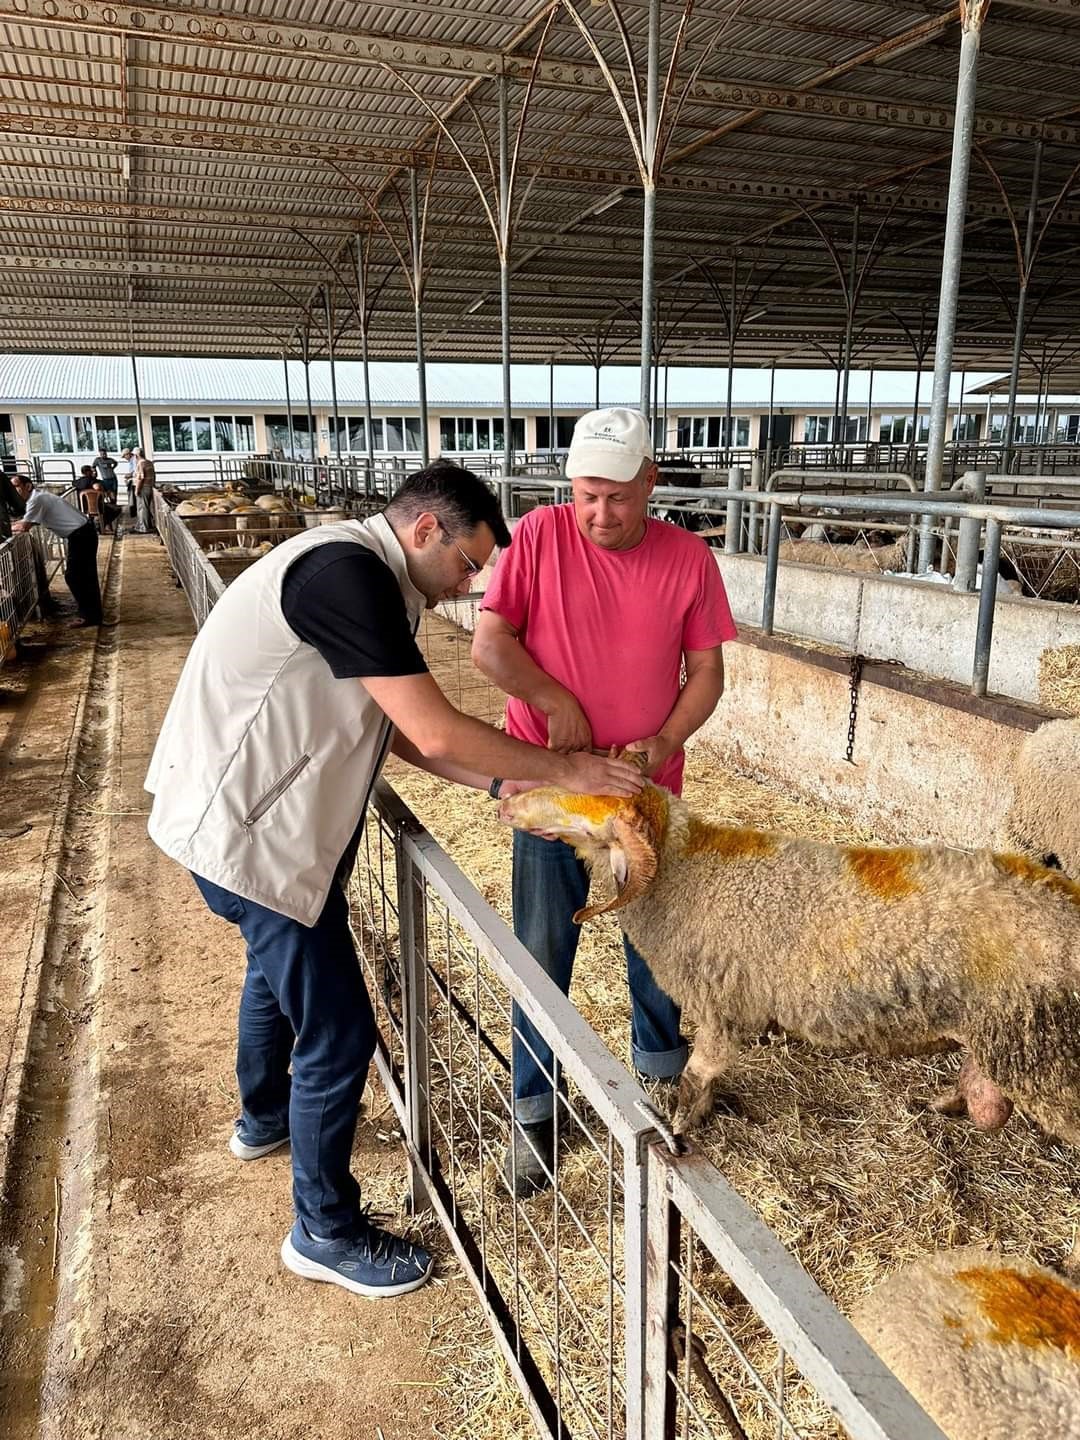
(989, 1345)
(886, 951)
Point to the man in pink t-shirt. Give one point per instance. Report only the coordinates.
(587, 624)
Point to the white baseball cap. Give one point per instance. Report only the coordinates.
(609, 445)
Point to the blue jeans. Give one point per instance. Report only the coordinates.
(549, 884)
(303, 999)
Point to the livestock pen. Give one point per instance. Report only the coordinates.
(725, 1273)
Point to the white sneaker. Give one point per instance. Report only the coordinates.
(244, 1151)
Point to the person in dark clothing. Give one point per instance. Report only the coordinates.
(80, 537)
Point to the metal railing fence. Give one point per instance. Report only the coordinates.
(573, 1281)
(18, 590)
(201, 583)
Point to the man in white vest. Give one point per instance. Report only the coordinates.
(305, 674)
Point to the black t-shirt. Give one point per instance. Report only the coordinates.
(343, 599)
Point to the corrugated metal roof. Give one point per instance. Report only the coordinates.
(93, 379)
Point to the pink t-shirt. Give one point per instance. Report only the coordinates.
(611, 626)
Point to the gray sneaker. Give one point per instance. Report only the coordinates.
(530, 1159)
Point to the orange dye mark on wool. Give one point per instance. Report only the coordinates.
(730, 842)
(1030, 1310)
(1035, 874)
(651, 804)
(594, 808)
(886, 873)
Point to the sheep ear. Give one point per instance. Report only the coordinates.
(634, 854)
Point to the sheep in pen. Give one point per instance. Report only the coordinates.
(887, 951)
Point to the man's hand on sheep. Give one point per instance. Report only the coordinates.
(568, 729)
(657, 749)
(884, 950)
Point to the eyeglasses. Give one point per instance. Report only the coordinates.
(471, 567)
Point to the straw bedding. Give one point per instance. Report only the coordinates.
(838, 1154)
(1059, 679)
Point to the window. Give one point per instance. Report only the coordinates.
(224, 433)
(464, 432)
(965, 427)
(465, 438)
(7, 436)
(50, 434)
(896, 429)
(564, 431)
(84, 433)
(128, 426)
(483, 433)
(709, 432)
(107, 436)
(161, 433)
(1068, 429)
(245, 432)
(204, 435)
(277, 436)
(182, 433)
(413, 433)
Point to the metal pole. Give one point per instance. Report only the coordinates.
(138, 404)
(329, 308)
(915, 420)
(551, 408)
(768, 437)
(667, 371)
(848, 329)
(288, 405)
(733, 518)
(974, 13)
(1021, 308)
(752, 512)
(310, 412)
(772, 565)
(967, 542)
(730, 351)
(870, 405)
(652, 114)
(596, 386)
(369, 429)
(418, 307)
(504, 284)
(987, 599)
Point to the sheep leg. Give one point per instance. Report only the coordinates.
(976, 1096)
(714, 1055)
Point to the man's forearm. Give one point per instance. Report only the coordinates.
(405, 750)
(697, 701)
(506, 663)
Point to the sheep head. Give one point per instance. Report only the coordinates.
(628, 832)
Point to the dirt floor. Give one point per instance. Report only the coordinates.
(141, 1294)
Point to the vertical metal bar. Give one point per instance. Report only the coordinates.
(1021, 310)
(328, 306)
(769, 437)
(310, 413)
(661, 1296)
(869, 404)
(143, 445)
(369, 431)
(967, 544)
(418, 306)
(636, 1239)
(974, 14)
(288, 411)
(551, 408)
(596, 386)
(772, 565)
(731, 351)
(849, 327)
(648, 231)
(733, 518)
(504, 285)
(414, 997)
(984, 634)
(755, 509)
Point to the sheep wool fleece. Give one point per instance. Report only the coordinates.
(265, 761)
(989, 1345)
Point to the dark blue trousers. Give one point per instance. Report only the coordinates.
(549, 884)
(303, 1000)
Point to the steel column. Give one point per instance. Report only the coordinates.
(1021, 311)
(967, 543)
(504, 280)
(733, 516)
(418, 307)
(310, 413)
(288, 406)
(648, 234)
(870, 405)
(769, 436)
(974, 14)
(138, 405)
(369, 433)
(849, 328)
(772, 566)
(732, 303)
(329, 311)
(551, 408)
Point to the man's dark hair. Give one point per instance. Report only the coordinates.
(457, 498)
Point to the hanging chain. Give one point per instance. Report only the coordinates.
(854, 677)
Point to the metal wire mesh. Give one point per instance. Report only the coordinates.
(18, 590)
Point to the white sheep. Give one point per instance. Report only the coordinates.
(1043, 820)
(989, 1345)
(889, 951)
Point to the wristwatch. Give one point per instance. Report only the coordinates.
(495, 787)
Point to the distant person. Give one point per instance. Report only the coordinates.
(105, 466)
(80, 537)
(127, 469)
(86, 479)
(145, 479)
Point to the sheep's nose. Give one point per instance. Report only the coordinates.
(504, 810)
